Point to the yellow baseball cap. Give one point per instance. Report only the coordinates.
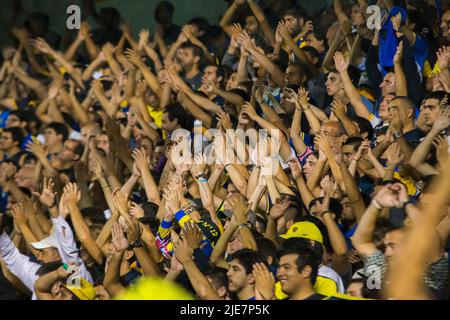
(304, 229)
(155, 288)
(84, 291)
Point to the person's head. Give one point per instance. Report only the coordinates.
(240, 270)
(47, 249)
(55, 134)
(214, 74)
(334, 84)
(71, 151)
(383, 112)
(297, 269)
(37, 24)
(103, 142)
(10, 139)
(289, 217)
(365, 127)
(348, 215)
(332, 130)
(316, 40)
(16, 120)
(232, 82)
(445, 25)
(189, 56)
(388, 85)
(217, 277)
(251, 24)
(24, 178)
(404, 107)
(268, 250)
(175, 117)
(89, 130)
(355, 288)
(163, 13)
(313, 55)
(431, 105)
(296, 74)
(294, 18)
(392, 240)
(310, 163)
(200, 26)
(110, 17)
(357, 15)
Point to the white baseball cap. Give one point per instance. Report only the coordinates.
(50, 242)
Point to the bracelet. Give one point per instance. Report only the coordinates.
(376, 204)
(203, 180)
(244, 225)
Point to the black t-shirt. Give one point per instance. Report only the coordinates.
(7, 291)
(414, 137)
(195, 82)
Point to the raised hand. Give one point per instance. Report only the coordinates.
(279, 208)
(108, 50)
(442, 120)
(303, 98)
(339, 108)
(42, 45)
(340, 62)
(399, 53)
(442, 150)
(182, 251)
(48, 196)
(36, 149)
(296, 168)
(248, 109)
(264, 281)
(136, 211)
(396, 121)
(143, 39)
(224, 120)
(392, 196)
(192, 234)
(240, 210)
(283, 30)
(134, 230)
(199, 165)
(141, 159)
(245, 41)
(20, 219)
(394, 154)
(72, 194)
(120, 202)
(134, 58)
(118, 239)
(443, 57)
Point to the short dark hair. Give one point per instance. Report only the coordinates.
(16, 134)
(165, 6)
(176, 111)
(48, 267)
(409, 103)
(59, 128)
(438, 95)
(364, 125)
(218, 276)
(306, 255)
(95, 214)
(247, 258)
(201, 23)
(296, 11)
(354, 141)
(267, 248)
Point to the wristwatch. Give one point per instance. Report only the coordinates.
(397, 135)
(137, 244)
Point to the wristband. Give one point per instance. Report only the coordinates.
(376, 204)
(244, 225)
(203, 180)
(201, 175)
(137, 244)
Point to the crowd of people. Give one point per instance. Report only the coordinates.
(123, 175)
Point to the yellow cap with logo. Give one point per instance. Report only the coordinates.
(304, 229)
